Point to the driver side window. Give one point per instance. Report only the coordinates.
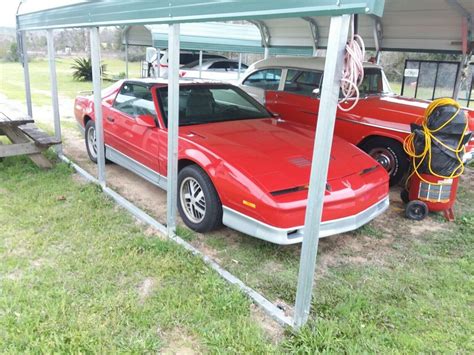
(134, 100)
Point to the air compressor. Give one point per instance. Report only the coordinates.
(436, 149)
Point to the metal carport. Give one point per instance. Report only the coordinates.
(105, 13)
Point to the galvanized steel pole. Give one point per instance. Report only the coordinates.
(54, 90)
(26, 73)
(173, 126)
(158, 63)
(96, 83)
(240, 66)
(125, 34)
(321, 155)
(200, 64)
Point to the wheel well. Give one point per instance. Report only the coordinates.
(368, 139)
(86, 119)
(184, 163)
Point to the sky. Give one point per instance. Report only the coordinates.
(8, 12)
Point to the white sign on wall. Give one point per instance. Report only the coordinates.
(411, 73)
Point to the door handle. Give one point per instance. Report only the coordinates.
(110, 119)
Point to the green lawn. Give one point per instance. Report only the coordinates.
(12, 83)
(79, 275)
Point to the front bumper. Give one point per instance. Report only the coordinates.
(285, 236)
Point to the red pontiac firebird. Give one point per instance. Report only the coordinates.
(238, 165)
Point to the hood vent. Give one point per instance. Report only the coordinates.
(295, 189)
(300, 162)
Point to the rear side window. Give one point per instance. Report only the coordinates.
(134, 100)
(220, 66)
(302, 82)
(267, 79)
(186, 58)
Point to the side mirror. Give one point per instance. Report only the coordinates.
(146, 121)
(316, 92)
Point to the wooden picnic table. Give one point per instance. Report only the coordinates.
(26, 139)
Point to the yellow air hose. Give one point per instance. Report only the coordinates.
(409, 147)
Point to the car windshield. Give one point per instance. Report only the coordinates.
(374, 82)
(200, 104)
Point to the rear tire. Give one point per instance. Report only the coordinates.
(198, 202)
(90, 137)
(91, 140)
(390, 154)
(404, 195)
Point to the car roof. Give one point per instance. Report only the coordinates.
(163, 81)
(310, 63)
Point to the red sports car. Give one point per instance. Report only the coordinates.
(378, 124)
(238, 165)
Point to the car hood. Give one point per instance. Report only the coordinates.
(275, 153)
(398, 112)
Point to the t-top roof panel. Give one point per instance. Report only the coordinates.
(122, 12)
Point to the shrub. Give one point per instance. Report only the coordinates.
(83, 69)
(12, 55)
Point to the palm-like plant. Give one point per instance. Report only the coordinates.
(83, 69)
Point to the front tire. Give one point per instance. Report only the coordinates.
(198, 202)
(390, 154)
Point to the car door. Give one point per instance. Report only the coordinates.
(134, 140)
(298, 101)
(256, 83)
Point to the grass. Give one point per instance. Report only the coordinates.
(73, 266)
(12, 84)
(74, 269)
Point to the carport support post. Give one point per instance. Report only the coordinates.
(54, 89)
(240, 66)
(158, 63)
(200, 64)
(321, 155)
(96, 84)
(173, 127)
(26, 74)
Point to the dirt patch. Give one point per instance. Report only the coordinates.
(201, 245)
(273, 330)
(146, 288)
(3, 191)
(180, 343)
(14, 275)
(418, 228)
(287, 309)
(81, 180)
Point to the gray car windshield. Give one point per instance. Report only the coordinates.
(201, 104)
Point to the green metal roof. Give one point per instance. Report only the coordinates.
(121, 12)
(211, 36)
